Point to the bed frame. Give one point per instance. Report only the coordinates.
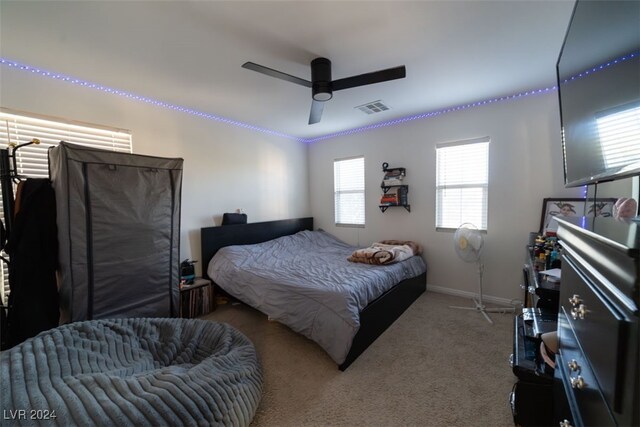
(375, 318)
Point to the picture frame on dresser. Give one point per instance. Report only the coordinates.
(573, 207)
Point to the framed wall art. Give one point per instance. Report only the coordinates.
(568, 207)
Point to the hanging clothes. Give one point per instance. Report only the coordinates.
(33, 251)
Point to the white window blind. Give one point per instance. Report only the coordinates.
(462, 181)
(31, 161)
(348, 179)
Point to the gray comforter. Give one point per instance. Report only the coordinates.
(132, 372)
(306, 282)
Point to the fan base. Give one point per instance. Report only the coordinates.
(484, 310)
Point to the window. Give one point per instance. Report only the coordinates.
(31, 161)
(348, 180)
(462, 181)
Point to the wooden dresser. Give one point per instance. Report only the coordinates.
(597, 371)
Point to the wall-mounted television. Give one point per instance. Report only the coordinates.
(598, 74)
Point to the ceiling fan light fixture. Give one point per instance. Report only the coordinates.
(321, 79)
(322, 96)
(322, 92)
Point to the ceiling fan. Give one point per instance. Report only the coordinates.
(322, 86)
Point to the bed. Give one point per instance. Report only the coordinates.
(132, 372)
(243, 272)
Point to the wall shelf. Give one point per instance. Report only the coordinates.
(386, 188)
(392, 181)
(383, 208)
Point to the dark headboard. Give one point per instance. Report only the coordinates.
(214, 238)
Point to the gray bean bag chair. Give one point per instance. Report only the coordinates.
(132, 372)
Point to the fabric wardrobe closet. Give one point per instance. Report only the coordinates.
(118, 217)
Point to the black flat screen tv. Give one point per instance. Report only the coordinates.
(598, 73)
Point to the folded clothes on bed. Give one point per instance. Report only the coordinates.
(386, 252)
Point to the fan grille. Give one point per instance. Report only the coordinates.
(468, 242)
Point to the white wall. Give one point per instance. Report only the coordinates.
(525, 167)
(272, 178)
(225, 167)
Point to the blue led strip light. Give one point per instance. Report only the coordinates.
(209, 116)
(144, 99)
(603, 66)
(431, 114)
(474, 104)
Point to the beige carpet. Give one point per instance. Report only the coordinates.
(434, 366)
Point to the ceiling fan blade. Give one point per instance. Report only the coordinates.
(275, 73)
(316, 112)
(370, 78)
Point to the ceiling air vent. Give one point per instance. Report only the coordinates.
(372, 107)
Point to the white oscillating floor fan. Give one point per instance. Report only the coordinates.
(468, 242)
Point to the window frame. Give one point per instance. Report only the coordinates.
(336, 191)
(484, 185)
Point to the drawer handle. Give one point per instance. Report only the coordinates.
(565, 423)
(579, 312)
(578, 382)
(574, 366)
(575, 300)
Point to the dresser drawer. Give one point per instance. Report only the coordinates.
(583, 390)
(601, 265)
(599, 328)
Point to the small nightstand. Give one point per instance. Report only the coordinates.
(197, 299)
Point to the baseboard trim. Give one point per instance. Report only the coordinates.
(466, 294)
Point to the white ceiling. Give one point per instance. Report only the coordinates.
(190, 52)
